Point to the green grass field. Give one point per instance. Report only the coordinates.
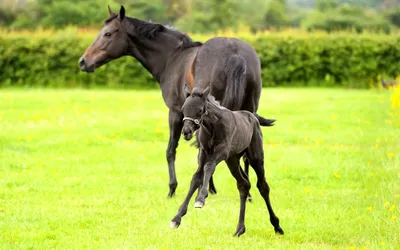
(86, 169)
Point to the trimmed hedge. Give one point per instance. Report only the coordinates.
(51, 59)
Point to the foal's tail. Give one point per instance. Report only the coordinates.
(235, 69)
(265, 122)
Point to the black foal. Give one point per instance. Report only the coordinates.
(223, 135)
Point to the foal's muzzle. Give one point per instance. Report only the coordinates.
(187, 134)
(189, 127)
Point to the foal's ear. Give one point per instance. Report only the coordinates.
(122, 13)
(186, 91)
(206, 92)
(110, 12)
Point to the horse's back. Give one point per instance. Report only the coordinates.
(219, 49)
(213, 65)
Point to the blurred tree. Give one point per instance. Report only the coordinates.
(72, 12)
(276, 15)
(210, 16)
(346, 17)
(326, 5)
(177, 9)
(154, 10)
(389, 4)
(252, 13)
(393, 15)
(6, 17)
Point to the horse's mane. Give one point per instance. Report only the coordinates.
(150, 31)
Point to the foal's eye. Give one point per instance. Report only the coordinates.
(107, 34)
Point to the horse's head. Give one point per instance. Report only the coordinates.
(193, 110)
(111, 43)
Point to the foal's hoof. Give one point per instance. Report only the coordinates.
(279, 231)
(174, 224)
(212, 190)
(199, 204)
(249, 198)
(171, 193)
(240, 231)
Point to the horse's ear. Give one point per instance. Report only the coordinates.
(122, 13)
(110, 12)
(186, 91)
(206, 92)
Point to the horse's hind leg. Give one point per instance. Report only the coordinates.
(256, 158)
(243, 186)
(175, 127)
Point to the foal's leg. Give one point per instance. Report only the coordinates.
(256, 158)
(209, 168)
(194, 184)
(211, 187)
(175, 128)
(243, 186)
(246, 173)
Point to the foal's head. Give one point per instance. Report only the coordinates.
(193, 110)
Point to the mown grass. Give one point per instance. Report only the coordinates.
(86, 169)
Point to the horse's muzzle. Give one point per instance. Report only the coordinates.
(84, 66)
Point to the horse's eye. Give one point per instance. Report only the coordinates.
(107, 34)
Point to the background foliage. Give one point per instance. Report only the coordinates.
(209, 15)
(339, 59)
(309, 42)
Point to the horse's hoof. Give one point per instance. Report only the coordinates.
(279, 231)
(199, 204)
(174, 224)
(212, 191)
(240, 231)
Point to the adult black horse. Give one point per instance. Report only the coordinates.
(231, 66)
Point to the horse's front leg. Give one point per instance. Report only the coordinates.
(209, 168)
(175, 127)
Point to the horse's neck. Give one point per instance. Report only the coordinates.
(152, 58)
(155, 56)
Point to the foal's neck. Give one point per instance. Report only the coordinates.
(213, 117)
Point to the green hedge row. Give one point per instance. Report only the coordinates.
(305, 59)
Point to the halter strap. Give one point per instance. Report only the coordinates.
(197, 121)
(191, 119)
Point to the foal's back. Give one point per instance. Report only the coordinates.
(243, 130)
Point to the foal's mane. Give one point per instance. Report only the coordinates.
(210, 98)
(151, 30)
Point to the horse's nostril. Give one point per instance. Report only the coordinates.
(81, 62)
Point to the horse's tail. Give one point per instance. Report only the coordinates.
(265, 122)
(235, 70)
